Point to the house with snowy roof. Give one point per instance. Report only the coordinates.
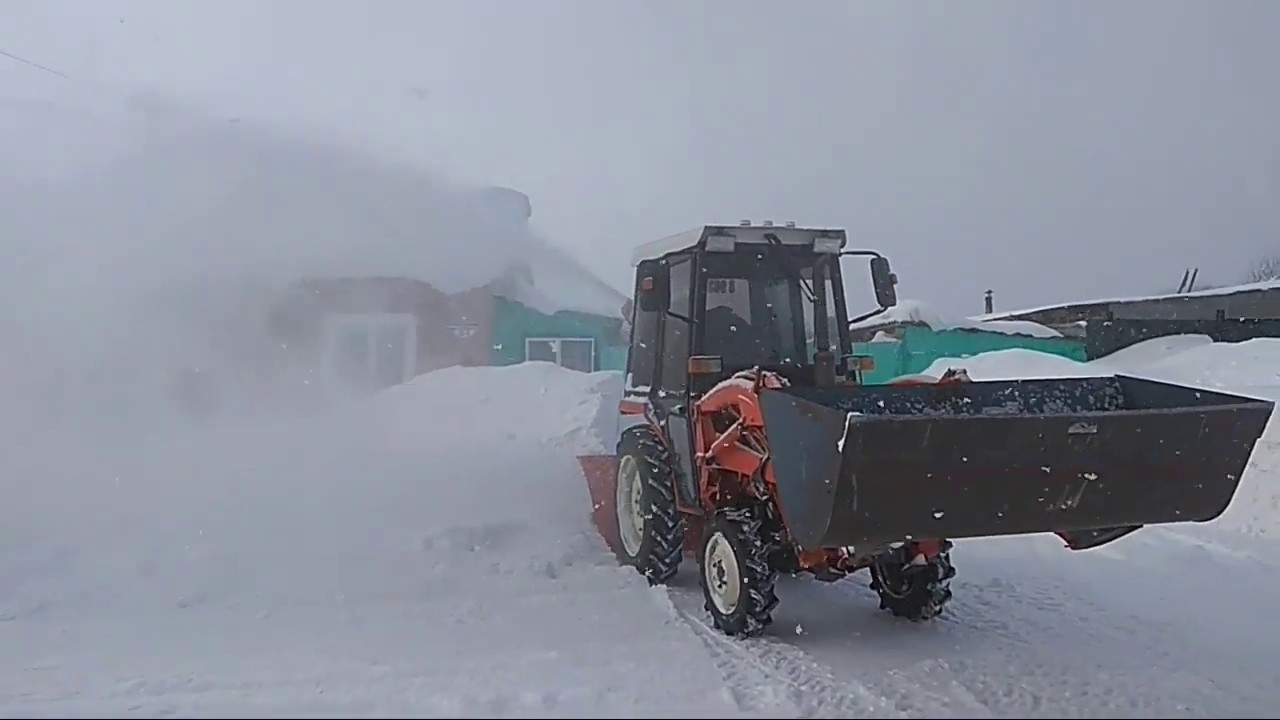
(281, 258)
(1250, 301)
(1226, 314)
(523, 301)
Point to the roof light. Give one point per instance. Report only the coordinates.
(721, 243)
(791, 223)
(744, 223)
(827, 245)
(767, 223)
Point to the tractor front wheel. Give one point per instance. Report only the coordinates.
(650, 530)
(736, 577)
(911, 588)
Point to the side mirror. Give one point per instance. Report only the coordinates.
(653, 286)
(884, 281)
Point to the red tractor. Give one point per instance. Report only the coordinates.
(748, 440)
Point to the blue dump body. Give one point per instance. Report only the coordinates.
(864, 466)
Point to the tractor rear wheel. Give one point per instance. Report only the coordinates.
(650, 530)
(917, 592)
(736, 577)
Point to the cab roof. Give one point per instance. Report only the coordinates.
(789, 234)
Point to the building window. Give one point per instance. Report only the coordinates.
(572, 353)
(366, 353)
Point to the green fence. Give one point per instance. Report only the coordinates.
(919, 346)
(515, 323)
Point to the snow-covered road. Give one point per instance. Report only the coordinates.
(1160, 626)
(394, 559)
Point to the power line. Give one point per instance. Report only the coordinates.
(35, 65)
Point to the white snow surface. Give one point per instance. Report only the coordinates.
(915, 311)
(428, 552)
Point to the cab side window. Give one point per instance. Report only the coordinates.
(676, 330)
(642, 360)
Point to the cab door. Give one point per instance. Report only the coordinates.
(670, 396)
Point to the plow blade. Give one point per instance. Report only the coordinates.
(1088, 458)
(601, 474)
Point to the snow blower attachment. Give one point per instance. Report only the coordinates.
(751, 444)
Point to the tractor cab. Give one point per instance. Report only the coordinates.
(721, 299)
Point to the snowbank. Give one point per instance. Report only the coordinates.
(914, 311)
(535, 400)
(1250, 368)
(1012, 364)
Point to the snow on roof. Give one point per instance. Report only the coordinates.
(1211, 292)
(664, 245)
(742, 233)
(916, 312)
(560, 283)
(196, 197)
(452, 237)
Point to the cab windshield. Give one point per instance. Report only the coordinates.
(761, 306)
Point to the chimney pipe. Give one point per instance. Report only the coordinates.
(988, 302)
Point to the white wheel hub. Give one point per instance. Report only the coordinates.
(629, 504)
(720, 570)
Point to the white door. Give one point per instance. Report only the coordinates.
(363, 354)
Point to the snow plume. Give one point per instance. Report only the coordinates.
(158, 261)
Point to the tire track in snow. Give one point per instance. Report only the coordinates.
(775, 680)
(770, 676)
(1061, 653)
(1031, 633)
(1080, 636)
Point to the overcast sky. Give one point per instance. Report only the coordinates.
(1048, 150)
